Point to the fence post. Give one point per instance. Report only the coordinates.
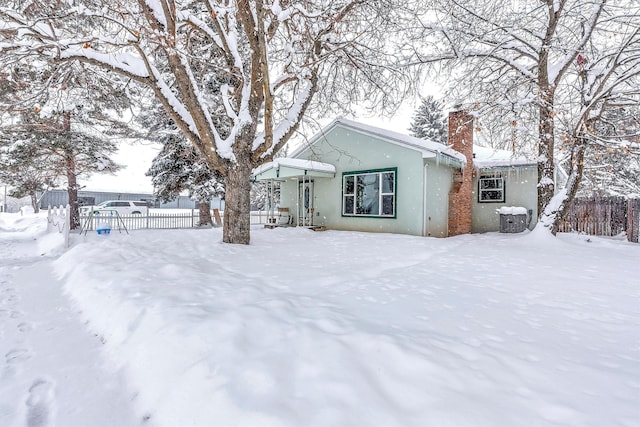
(633, 220)
(192, 218)
(636, 220)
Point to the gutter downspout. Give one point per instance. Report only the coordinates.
(425, 223)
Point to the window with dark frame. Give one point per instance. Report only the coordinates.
(369, 193)
(491, 189)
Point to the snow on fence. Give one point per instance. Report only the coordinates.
(59, 218)
(604, 216)
(156, 220)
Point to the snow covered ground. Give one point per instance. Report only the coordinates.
(174, 328)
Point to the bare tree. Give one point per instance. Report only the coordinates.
(259, 62)
(525, 58)
(614, 169)
(606, 85)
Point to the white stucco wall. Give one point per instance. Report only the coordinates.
(520, 190)
(439, 181)
(350, 151)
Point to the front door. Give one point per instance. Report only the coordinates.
(305, 202)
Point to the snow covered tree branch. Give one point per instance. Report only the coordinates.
(525, 58)
(236, 76)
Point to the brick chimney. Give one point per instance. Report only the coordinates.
(461, 140)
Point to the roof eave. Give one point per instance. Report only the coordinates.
(276, 170)
(349, 124)
(505, 166)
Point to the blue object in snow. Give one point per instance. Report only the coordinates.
(103, 228)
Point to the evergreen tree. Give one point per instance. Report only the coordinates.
(27, 171)
(178, 168)
(429, 121)
(38, 154)
(65, 118)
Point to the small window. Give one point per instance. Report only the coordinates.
(491, 189)
(369, 193)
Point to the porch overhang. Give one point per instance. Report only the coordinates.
(286, 168)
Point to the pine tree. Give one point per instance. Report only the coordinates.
(429, 121)
(40, 153)
(26, 170)
(178, 168)
(65, 118)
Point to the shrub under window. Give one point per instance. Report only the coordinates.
(369, 193)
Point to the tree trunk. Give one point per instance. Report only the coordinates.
(34, 203)
(237, 203)
(573, 182)
(545, 152)
(558, 207)
(72, 182)
(204, 210)
(72, 191)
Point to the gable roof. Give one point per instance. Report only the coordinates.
(484, 157)
(428, 149)
(487, 158)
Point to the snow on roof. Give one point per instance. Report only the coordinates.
(394, 137)
(485, 157)
(308, 165)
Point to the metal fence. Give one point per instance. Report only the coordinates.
(604, 216)
(155, 220)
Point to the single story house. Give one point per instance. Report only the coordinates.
(352, 176)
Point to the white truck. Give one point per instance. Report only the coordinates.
(123, 207)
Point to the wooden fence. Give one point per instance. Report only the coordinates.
(633, 220)
(604, 216)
